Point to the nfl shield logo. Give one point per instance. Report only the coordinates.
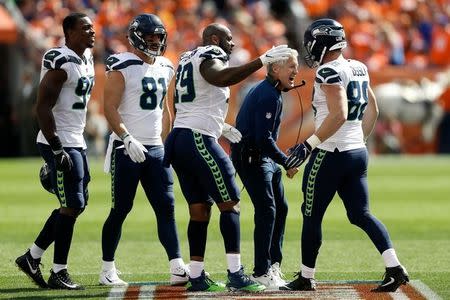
(268, 115)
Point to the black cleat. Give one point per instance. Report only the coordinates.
(30, 266)
(300, 284)
(393, 278)
(62, 280)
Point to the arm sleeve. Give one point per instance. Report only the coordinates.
(265, 115)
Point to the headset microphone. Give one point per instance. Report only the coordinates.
(295, 86)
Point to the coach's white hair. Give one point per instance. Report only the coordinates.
(293, 54)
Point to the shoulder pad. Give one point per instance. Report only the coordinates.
(327, 75)
(54, 58)
(121, 61)
(213, 52)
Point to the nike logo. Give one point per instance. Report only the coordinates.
(106, 277)
(180, 275)
(33, 271)
(391, 281)
(72, 286)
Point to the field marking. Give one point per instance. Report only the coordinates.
(425, 290)
(353, 289)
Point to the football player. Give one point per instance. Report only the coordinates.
(67, 78)
(201, 103)
(135, 89)
(345, 112)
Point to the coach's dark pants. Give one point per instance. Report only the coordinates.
(345, 173)
(264, 186)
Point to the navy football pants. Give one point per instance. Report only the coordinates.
(265, 188)
(157, 182)
(345, 173)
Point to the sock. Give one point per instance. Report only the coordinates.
(230, 229)
(308, 272)
(197, 234)
(108, 265)
(390, 258)
(176, 263)
(47, 234)
(234, 262)
(196, 268)
(36, 252)
(63, 238)
(58, 267)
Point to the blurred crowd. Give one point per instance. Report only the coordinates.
(396, 32)
(410, 33)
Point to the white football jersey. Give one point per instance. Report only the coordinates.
(354, 77)
(71, 106)
(200, 105)
(142, 101)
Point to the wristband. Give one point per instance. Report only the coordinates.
(313, 141)
(124, 135)
(55, 145)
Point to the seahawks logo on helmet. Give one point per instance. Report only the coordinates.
(322, 35)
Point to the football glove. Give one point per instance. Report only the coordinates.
(63, 162)
(231, 133)
(298, 154)
(134, 149)
(275, 54)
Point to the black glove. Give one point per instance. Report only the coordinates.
(298, 154)
(63, 162)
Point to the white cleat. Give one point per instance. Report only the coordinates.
(277, 275)
(267, 280)
(179, 275)
(111, 278)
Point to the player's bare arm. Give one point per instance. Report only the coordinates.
(338, 109)
(370, 115)
(114, 87)
(167, 120)
(48, 94)
(216, 73)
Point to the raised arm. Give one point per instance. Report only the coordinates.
(216, 73)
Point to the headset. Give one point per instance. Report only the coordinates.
(275, 83)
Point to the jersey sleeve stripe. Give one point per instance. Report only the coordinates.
(126, 64)
(333, 79)
(61, 61)
(214, 54)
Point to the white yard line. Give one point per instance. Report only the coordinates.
(424, 290)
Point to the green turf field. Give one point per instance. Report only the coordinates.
(411, 195)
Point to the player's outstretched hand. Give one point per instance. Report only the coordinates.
(275, 54)
(134, 148)
(231, 133)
